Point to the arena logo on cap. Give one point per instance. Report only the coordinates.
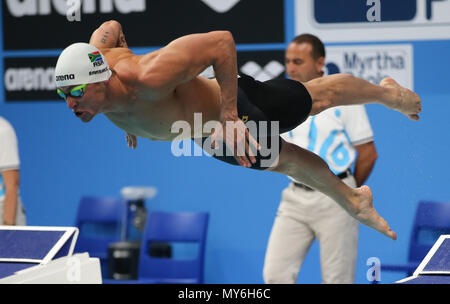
(65, 77)
(96, 59)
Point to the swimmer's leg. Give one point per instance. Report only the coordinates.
(345, 89)
(310, 169)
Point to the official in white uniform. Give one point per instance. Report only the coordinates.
(11, 209)
(343, 137)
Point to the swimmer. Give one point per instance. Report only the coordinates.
(145, 94)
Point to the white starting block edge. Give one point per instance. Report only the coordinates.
(423, 264)
(430, 254)
(69, 231)
(405, 279)
(76, 269)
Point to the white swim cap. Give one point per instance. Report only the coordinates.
(81, 63)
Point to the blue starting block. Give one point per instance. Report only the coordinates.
(30, 254)
(435, 267)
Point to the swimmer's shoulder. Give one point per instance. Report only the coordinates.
(116, 54)
(121, 58)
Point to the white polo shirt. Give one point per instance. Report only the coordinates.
(332, 134)
(9, 151)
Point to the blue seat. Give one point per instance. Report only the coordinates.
(99, 220)
(177, 228)
(431, 220)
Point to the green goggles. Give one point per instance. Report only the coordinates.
(76, 92)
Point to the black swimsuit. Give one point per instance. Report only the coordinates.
(277, 100)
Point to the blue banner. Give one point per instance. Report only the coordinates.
(345, 11)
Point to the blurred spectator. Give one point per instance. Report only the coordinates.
(11, 209)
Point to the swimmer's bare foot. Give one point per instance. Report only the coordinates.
(404, 100)
(367, 215)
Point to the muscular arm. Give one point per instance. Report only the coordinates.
(108, 35)
(186, 57)
(367, 156)
(183, 60)
(11, 182)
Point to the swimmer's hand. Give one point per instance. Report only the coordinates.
(131, 140)
(234, 132)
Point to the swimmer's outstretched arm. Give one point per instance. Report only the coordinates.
(110, 35)
(184, 59)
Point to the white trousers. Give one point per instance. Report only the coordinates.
(20, 213)
(302, 217)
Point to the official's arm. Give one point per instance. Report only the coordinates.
(367, 155)
(11, 182)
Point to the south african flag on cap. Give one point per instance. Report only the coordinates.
(95, 56)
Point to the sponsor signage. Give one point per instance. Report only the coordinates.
(373, 20)
(33, 79)
(356, 11)
(373, 62)
(55, 24)
(30, 79)
(262, 65)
